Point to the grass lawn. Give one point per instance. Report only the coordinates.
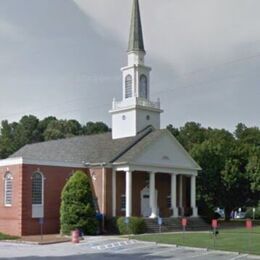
(238, 240)
(7, 237)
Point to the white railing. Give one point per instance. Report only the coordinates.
(136, 101)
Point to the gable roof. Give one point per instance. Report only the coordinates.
(93, 149)
(89, 149)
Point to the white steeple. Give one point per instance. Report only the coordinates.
(135, 111)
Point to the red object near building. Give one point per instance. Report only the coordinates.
(184, 222)
(249, 224)
(214, 223)
(75, 236)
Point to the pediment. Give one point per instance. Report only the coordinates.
(166, 151)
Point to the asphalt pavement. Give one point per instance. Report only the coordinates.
(111, 248)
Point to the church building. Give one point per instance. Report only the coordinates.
(137, 170)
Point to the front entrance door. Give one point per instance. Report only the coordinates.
(145, 202)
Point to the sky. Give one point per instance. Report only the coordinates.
(63, 58)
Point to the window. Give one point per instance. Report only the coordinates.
(169, 202)
(122, 202)
(37, 189)
(128, 86)
(8, 182)
(143, 86)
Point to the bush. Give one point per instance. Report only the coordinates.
(77, 207)
(249, 213)
(111, 225)
(136, 226)
(206, 213)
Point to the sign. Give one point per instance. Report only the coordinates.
(214, 223)
(249, 224)
(41, 221)
(184, 222)
(160, 221)
(126, 221)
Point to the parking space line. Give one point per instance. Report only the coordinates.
(133, 248)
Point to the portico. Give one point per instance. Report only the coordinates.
(160, 191)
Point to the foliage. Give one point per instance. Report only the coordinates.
(95, 128)
(77, 207)
(136, 225)
(111, 225)
(249, 213)
(7, 237)
(230, 163)
(30, 130)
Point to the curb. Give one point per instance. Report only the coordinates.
(23, 242)
(201, 249)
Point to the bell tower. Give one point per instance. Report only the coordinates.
(136, 111)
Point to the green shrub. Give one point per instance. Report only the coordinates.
(206, 213)
(136, 226)
(111, 225)
(77, 207)
(249, 213)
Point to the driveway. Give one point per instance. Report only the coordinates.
(110, 248)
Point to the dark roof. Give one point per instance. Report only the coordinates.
(136, 42)
(93, 148)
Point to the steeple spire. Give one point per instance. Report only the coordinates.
(136, 42)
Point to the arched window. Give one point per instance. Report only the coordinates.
(37, 188)
(8, 192)
(128, 86)
(143, 86)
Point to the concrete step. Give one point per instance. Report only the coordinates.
(174, 224)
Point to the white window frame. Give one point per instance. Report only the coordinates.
(122, 198)
(8, 174)
(38, 209)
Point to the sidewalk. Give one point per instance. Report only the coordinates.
(44, 240)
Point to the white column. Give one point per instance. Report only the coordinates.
(114, 193)
(193, 196)
(174, 196)
(153, 202)
(128, 193)
(181, 194)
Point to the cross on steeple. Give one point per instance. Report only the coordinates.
(136, 42)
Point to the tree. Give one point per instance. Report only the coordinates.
(95, 128)
(191, 134)
(77, 205)
(27, 131)
(236, 188)
(7, 144)
(253, 170)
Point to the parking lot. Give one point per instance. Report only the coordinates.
(110, 248)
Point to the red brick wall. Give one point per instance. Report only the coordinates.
(17, 220)
(55, 179)
(163, 186)
(10, 217)
(108, 193)
(120, 190)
